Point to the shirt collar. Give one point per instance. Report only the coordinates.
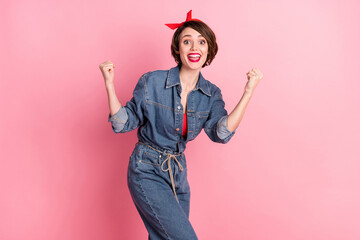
(174, 79)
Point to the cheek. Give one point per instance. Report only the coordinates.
(182, 51)
(205, 52)
(205, 49)
(182, 55)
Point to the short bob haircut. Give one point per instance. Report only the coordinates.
(205, 31)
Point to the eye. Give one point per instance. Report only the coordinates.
(186, 41)
(202, 42)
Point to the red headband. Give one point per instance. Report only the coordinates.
(176, 25)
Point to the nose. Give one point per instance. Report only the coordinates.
(193, 46)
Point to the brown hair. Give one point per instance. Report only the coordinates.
(205, 31)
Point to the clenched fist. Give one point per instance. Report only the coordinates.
(254, 76)
(107, 70)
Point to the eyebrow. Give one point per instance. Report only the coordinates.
(187, 35)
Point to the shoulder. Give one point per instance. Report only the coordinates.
(155, 77)
(215, 91)
(155, 74)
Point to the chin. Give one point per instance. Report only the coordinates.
(192, 66)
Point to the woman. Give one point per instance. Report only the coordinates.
(170, 108)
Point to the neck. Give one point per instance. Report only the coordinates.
(188, 77)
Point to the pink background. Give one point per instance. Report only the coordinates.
(290, 172)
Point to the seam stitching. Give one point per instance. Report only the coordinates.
(147, 200)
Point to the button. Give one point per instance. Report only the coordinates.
(179, 107)
(177, 129)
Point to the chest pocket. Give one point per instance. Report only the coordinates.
(200, 119)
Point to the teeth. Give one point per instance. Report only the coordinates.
(194, 56)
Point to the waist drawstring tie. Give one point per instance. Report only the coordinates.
(169, 157)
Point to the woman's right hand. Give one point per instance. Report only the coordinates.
(107, 70)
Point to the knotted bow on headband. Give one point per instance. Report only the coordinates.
(176, 25)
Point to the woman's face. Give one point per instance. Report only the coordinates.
(193, 49)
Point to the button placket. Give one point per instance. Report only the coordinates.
(178, 114)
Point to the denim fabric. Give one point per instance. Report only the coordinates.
(157, 110)
(149, 186)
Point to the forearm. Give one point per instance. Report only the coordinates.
(114, 103)
(237, 114)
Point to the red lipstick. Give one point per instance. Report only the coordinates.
(194, 57)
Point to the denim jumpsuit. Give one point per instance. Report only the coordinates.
(157, 171)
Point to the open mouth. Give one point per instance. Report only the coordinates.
(194, 57)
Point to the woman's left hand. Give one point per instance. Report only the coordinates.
(254, 76)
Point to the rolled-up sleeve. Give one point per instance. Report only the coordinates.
(130, 116)
(216, 125)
